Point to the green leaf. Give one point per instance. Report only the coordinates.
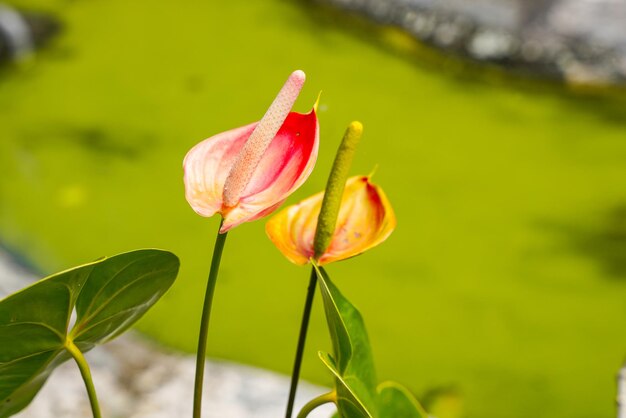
(109, 295)
(395, 401)
(353, 366)
(352, 362)
(348, 401)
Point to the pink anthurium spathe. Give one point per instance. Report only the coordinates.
(365, 219)
(247, 172)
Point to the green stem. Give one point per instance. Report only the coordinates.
(306, 315)
(315, 402)
(326, 222)
(86, 374)
(204, 323)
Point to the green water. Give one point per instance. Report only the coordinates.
(506, 277)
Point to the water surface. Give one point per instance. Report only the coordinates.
(505, 278)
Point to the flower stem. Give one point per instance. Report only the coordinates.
(86, 374)
(204, 323)
(306, 315)
(315, 402)
(323, 234)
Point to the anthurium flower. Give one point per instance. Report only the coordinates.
(365, 219)
(247, 172)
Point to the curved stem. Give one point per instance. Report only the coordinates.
(315, 402)
(306, 315)
(86, 374)
(204, 323)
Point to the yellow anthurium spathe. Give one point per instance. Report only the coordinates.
(365, 219)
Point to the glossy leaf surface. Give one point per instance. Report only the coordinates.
(353, 367)
(109, 295)
(351, 362)
(349, 401)
(395, 401)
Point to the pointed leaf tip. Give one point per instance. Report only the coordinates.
(317, 101)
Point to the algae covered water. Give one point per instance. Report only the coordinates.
(503, 287)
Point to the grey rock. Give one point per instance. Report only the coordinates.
(21, 32)
(579, 41)
(135, 379)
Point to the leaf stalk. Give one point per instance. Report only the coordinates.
(315, 402)
(85, 372)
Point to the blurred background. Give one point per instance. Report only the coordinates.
(499, 128)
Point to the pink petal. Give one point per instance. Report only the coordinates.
(207, 165)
